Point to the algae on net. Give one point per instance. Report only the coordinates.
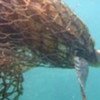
(38, 31)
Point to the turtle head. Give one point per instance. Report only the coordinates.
(98, 57)
(95, 62)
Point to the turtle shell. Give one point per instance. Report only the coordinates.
(47, 28)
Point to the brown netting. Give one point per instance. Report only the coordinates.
(34, 32)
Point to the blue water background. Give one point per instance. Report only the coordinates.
(62, 84)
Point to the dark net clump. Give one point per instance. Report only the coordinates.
(10, 77)
(34, 32)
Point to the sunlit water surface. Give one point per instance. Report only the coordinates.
(62, 84)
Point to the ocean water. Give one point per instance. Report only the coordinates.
(62, 84)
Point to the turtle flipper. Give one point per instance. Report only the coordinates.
(82, 70)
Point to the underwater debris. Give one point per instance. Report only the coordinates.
(10, 84)
(38, 31)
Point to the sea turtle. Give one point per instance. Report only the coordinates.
(41, 32)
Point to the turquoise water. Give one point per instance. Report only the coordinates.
(62, 84)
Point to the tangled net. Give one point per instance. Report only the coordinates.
(35, 31)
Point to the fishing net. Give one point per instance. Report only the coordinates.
(34, 32)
